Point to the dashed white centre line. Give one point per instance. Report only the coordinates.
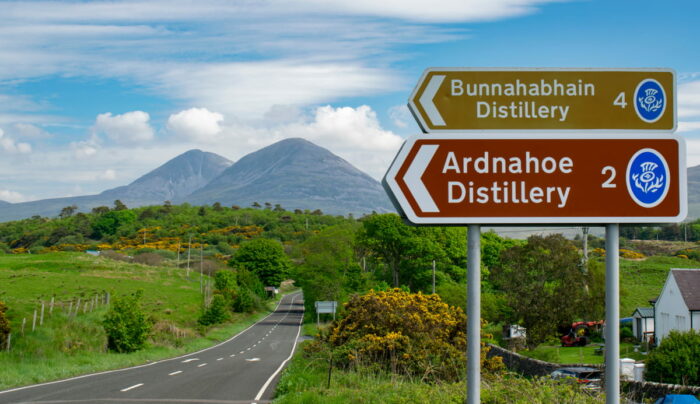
(175, 373)
(203, 364)
(241, 352)
(247, 349)
(220, 359)
(190, 360)
(132, 387)
(232, 355)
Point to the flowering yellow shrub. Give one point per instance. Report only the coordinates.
(629, 254)
(407, 333)
(683, 256)
(598, 252)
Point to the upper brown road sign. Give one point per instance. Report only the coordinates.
(478, 99)
(511, 179)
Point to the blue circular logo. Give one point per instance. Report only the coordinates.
(648, 178)
(650, 100)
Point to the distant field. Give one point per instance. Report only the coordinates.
(642, 280)
(67, 346)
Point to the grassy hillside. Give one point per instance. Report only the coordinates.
(66, 346)
(641, 280)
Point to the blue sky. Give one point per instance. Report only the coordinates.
(95, 94)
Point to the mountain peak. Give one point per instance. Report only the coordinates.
(295, 173)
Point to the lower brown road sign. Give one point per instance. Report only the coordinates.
(506, 179)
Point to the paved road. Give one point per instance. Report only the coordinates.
(243, 369)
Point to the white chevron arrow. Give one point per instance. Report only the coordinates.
(413, 175)
(426, 100)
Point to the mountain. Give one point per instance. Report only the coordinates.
(694, 192)
(296, 174)
(174, 179)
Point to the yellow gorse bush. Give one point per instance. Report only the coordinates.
(402, 332)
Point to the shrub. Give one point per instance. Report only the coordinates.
(117, 256)
(244, 301)
(126, 324)
(629, 254)
(676, 359)
(216, 313)
(407, 333)
(4, 325)
(225, 282)
(148, 258)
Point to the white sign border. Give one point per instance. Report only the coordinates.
(640, 132)
(404, 206)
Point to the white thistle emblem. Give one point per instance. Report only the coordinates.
(649, 103)
(647, 180)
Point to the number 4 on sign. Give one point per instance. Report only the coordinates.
(620, 100)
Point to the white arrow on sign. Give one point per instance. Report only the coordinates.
(413, 178)
(426, 100)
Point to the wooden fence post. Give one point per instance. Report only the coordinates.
(77, 307)
(34, 321)
(51, 307)
(9, 341)
(41, 320)
(70, 308)
(24, 321)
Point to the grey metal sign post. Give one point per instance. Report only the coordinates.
(473, 314)
(612, 313)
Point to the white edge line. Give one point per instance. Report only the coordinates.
(202, 365)
(148, 364)
(175, 373)
(279, 369)
(131, 388)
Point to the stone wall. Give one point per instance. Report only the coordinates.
(528, 366)
(639, 391)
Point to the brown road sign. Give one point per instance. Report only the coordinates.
(508, 179)
(477, 99)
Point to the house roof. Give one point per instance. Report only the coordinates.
(645, 312)
(688, 281)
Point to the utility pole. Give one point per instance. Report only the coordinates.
(201, 268)
(433, 276)
(178, 255)
(585, 249)
(189, 247)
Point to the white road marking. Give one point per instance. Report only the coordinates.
(247, 349)
(146, 365)
(175, 373)
(253, 359)
(132, 387)
(241, 352)
(203, 364)
(220, 359)
(190, 360)
(232, 355)
(279, 369)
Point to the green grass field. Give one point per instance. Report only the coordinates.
(642, 280)
(578, 355)
(66, 346)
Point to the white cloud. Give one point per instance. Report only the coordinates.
(131, 127)
(688, 126)
(689, 99)
(400, 115)
(108, 174)
(29, 131)
(196, 124)
(11, 146)
(11, 196)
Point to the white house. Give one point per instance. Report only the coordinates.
(643, 323)
(678, 305)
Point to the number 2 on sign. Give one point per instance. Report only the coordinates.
(620, 100)
(609, 182)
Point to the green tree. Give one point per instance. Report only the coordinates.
(119, 205)
(67, 211)
(675, 361)
(544, 284)
(109, 222)
(265, 258)
(126, 324)
(216, 313)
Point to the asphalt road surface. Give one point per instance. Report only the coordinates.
(243, 369)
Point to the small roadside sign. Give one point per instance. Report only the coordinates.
(510, 179)
(480, 99)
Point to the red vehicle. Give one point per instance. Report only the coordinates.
(579, 332)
